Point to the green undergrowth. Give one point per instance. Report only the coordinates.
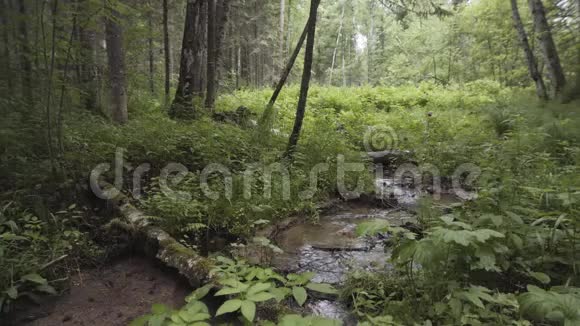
(508, 257)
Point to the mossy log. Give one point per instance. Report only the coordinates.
(161, 245)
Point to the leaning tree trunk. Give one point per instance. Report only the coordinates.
(549, 51)
(305, 85)
(116, 61)
(531, 60)
(167, 51)
(182, 106)
(265, 120)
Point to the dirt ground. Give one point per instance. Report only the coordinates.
(114, 295)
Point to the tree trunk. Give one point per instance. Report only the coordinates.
(211, 54)
(531, 60)
(7, 65)
(88, 69)
(216, 28)
(282, 30)
(548, 47)
(305, 84)
(337, 43)
(167, 51)
(25, 55)
(182, 104)
(116, 61)
(201, 46)
(268, 112)
(151, 53)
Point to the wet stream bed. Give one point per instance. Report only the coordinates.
(331, 247)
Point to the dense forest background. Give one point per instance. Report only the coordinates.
(99, 97)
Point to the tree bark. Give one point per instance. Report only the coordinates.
(158, 243)
(216, 27)
(116, 62)
(7, 66)
(337, 43)
(211, 54)
(282, 30)
(305, 84)
(531, 60)
(182, 104)
(268, 111)
(166, 51)
(88, 68)
(151, 52)
(25, 55)
(548, 47)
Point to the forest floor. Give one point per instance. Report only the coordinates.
(113, 295)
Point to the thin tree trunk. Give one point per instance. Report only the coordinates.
(337, 42)
(371, 41)
(211, 54)
(48, 111)
(282, 30)
(548, 47)
(305, 85)
(531, 60)
(182, 104)
(25, 63)
(167, 51)
(289, 28)
(287, 70)
(151, 54)
(116, 61)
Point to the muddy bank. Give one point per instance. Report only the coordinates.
(113, 295)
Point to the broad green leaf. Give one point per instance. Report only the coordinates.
(322, 288)
(228, 291)
(34, 278)
(229, 306)
(249, 310)
(260, 297)
(200, 293)
(299, 294)
(545, 279)
(259, 287)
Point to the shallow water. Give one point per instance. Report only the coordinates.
(332, 249)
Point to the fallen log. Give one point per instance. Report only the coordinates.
(161, 245)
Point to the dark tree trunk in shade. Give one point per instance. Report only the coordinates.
(25, 55)
(151, 53)
(200, 53)
(183, 103)
(211, 53)
(217, 20)
(305, 84)
(530, 59)
(548, 47)
(166, 51)
(7, 63)
(116, 62)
